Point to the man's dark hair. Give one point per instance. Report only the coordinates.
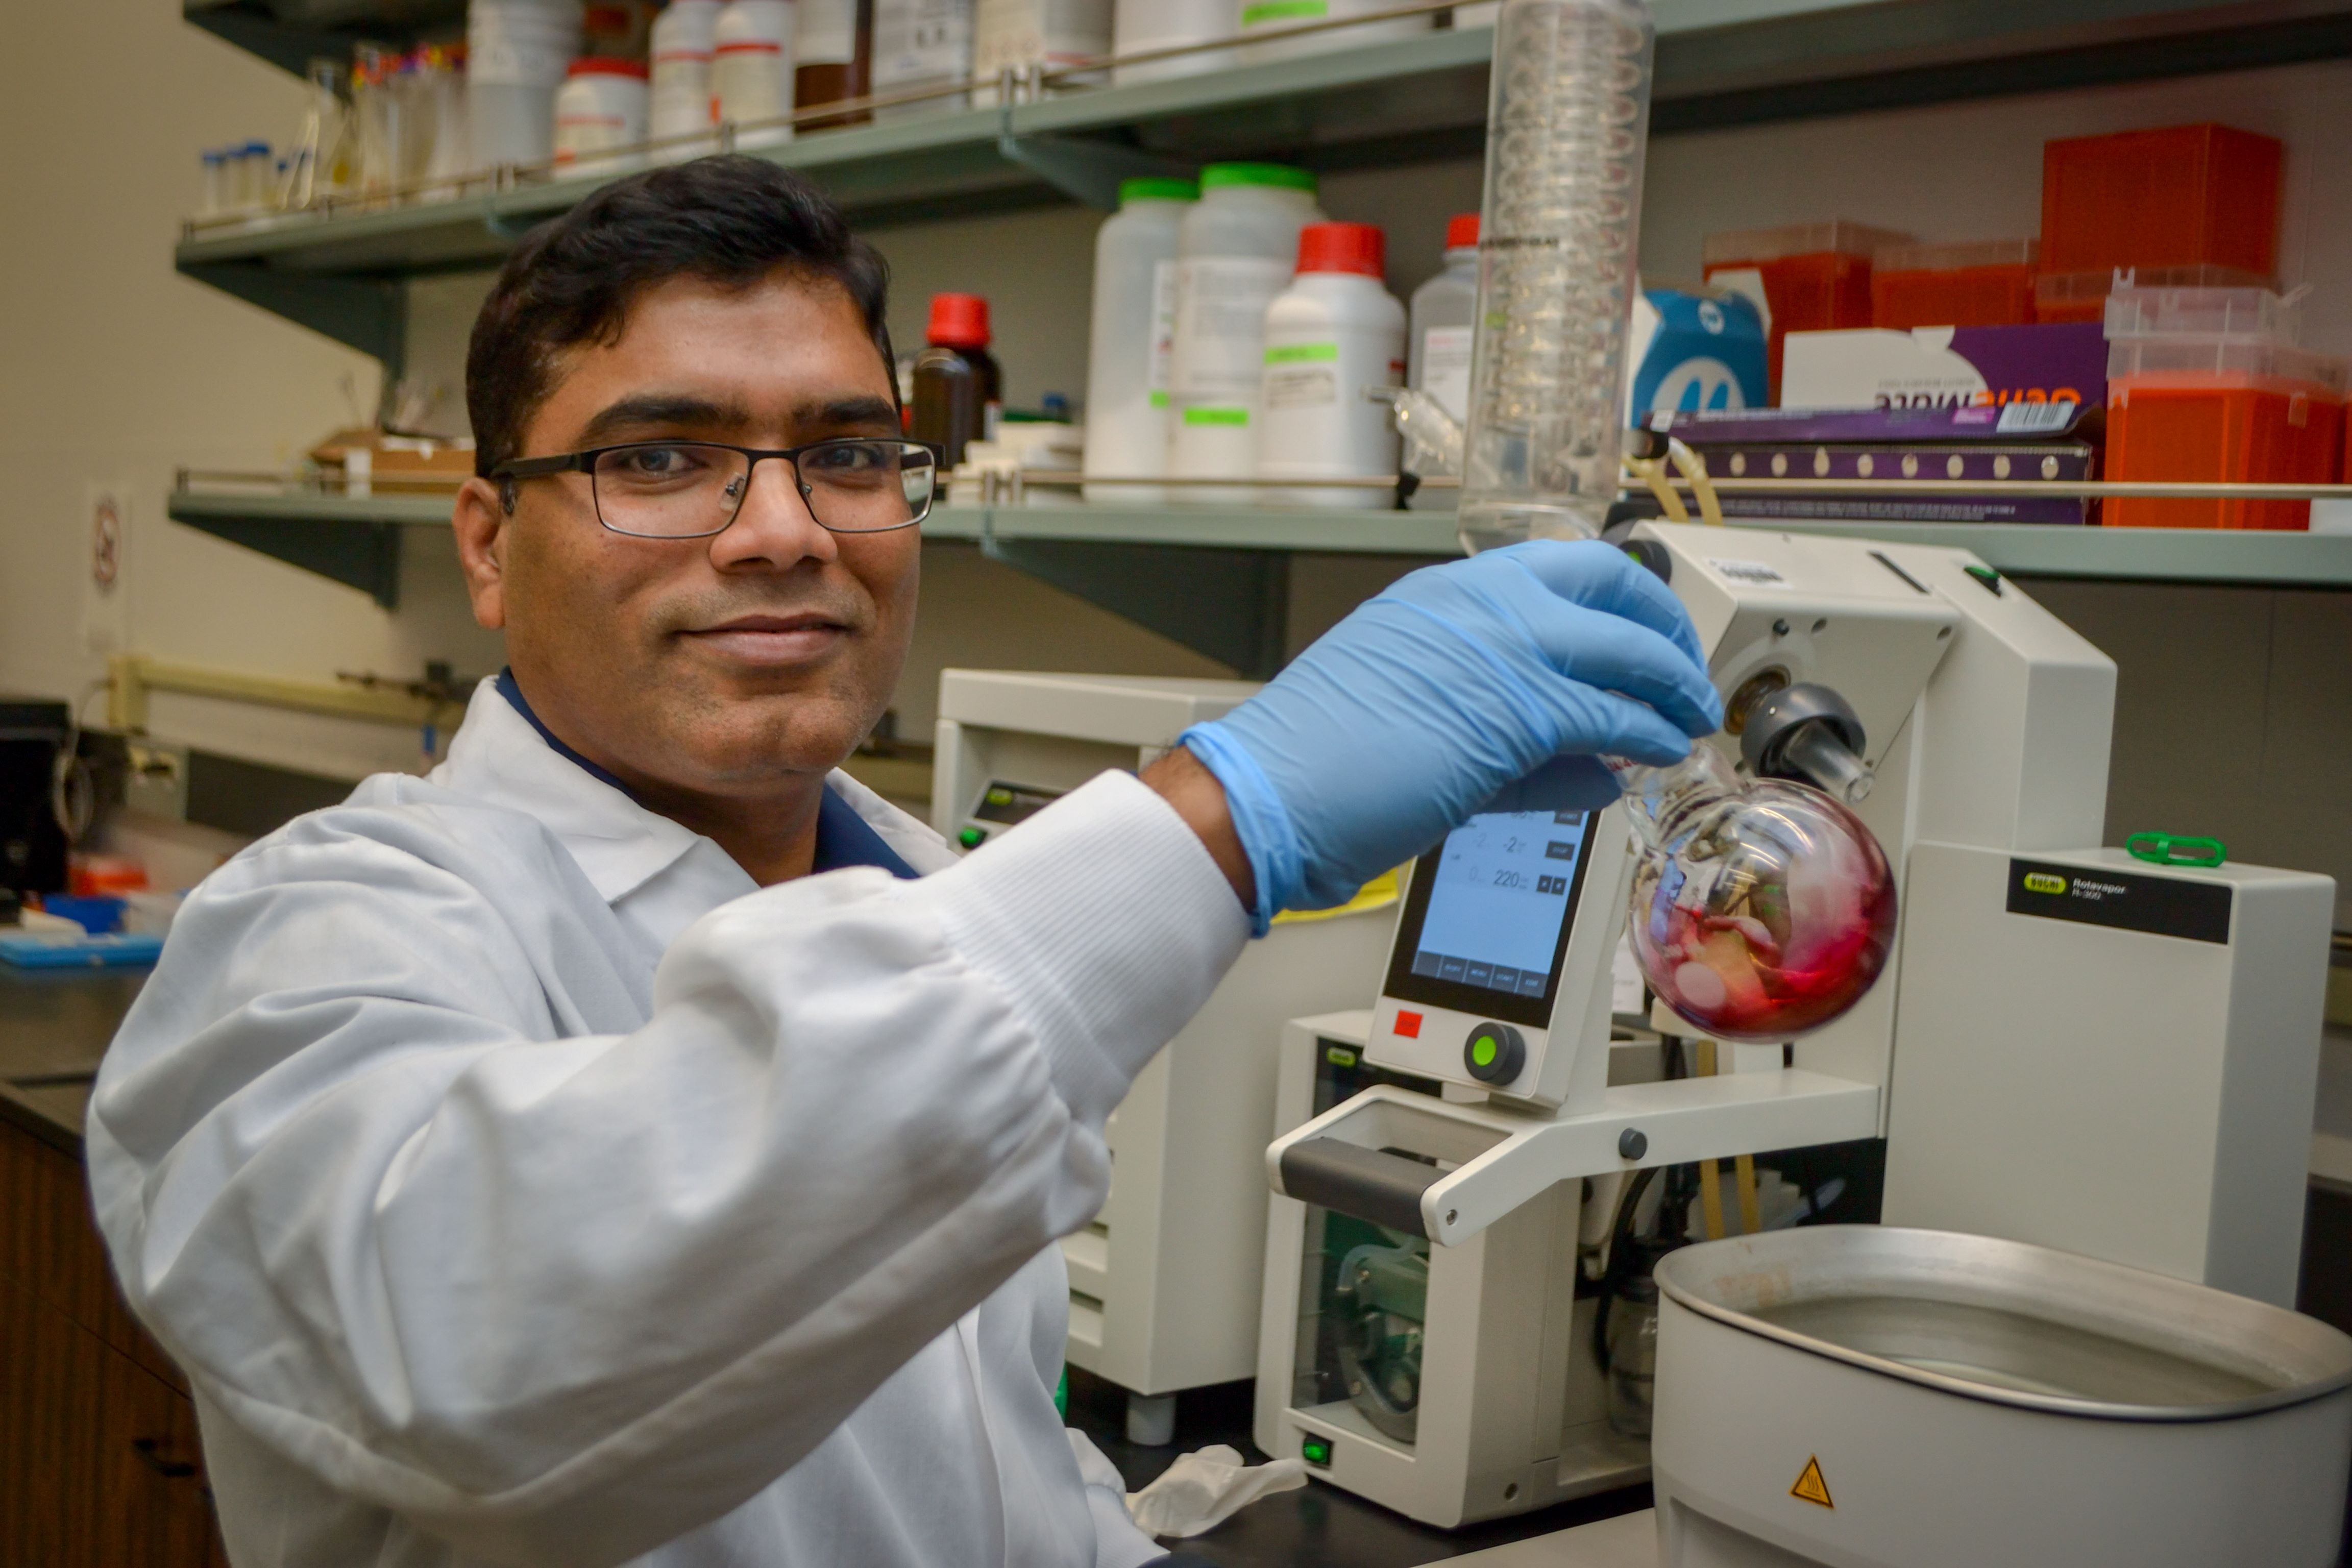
(727, 220)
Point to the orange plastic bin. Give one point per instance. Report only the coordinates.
(2220, 409)
(1815, 276)
(1983, 283)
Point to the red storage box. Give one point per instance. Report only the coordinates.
(2220, 409)
(2174, 197)
(1986, 283)
(1815, 276)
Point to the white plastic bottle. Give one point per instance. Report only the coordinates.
(1236, 251)
(599, 108)
(516, 54)
(1138, 25)
(921, 44)
(686, 36)
(1444, 316)
(751, 67)
(1267, 16)
(1134, 332)
(1334, 332)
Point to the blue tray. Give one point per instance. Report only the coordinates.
(41, 950)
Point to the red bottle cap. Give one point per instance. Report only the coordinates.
(1462, 231)
(958, 322)
(599, 64)
(1342, 248)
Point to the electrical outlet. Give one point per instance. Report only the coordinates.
(156, 781)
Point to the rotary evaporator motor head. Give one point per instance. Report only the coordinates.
(1808, 733)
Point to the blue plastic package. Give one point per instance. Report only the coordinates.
(1694, 353)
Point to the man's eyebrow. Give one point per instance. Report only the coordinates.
(657, 408)
(848, 411)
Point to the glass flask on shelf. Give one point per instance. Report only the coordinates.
(1761, 908)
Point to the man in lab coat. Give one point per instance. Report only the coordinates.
(639, 1143)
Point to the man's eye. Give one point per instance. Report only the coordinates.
(656, 462)
(848, 457)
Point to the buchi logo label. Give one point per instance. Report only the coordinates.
(2042, 883)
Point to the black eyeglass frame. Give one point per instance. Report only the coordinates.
(585, 463)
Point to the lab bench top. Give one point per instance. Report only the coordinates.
(54, 1023)
(1318, 1526)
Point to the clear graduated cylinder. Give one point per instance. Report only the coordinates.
(1761, 908)
(1568, 121)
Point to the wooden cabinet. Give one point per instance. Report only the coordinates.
(99, 1460)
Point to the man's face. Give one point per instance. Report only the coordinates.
(721, 665)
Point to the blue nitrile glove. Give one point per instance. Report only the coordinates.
(1482, 685)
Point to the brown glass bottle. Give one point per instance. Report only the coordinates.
(831, 28)
(958, 386)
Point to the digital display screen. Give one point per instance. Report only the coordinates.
(1489, 914)
(1012, 803)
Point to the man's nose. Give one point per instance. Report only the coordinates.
(775, 526)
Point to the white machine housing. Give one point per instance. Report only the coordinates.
(1987, 727)
(1164, 1283)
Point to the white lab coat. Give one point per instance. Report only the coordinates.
(518, 1184)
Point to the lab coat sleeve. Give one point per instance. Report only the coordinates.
(559, 1300)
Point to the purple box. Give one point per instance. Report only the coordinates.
(1879, 367)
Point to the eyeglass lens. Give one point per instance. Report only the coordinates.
(682, 490)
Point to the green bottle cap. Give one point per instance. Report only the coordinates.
(1157, 188)
(1281, 175)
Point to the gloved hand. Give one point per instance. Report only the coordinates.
(1481, 685)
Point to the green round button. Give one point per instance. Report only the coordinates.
(1482, 1049)
(970, 837)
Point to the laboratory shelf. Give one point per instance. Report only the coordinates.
(1719, 62)
(292, 33)
(1217, 579)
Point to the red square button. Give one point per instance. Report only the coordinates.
(1408, 1025)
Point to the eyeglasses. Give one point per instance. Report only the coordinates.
(692, 489)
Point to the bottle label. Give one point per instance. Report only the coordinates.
(920, 41)
(1208, 416)
(1301, 375)
(1220, 304)
(828, 33)
(1271, 12)
(1446, 367)
(1162, 354)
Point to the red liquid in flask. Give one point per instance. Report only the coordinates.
(1764, 909)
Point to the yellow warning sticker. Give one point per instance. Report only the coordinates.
(1809, 1485)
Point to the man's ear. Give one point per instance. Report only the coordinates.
(481, 521)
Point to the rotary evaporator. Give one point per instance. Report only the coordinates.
(1875, 907)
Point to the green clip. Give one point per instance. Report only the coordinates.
(2174, 849)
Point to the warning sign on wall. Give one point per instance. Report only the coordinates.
(1809, 1485)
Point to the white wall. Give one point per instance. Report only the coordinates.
(114, 370)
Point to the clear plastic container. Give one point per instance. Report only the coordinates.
(1333, 334)
(1441, 336)
(2082, 296)
(1237, 248)
(1567, 124)
(2136, 312)
(1133, 334)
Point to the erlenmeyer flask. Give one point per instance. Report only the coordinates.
(1761, 908)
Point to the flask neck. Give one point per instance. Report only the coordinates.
(1659, 799)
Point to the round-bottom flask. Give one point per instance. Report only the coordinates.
(1761, 908)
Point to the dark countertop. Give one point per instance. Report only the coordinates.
(1318, 1526)
(55, 1025)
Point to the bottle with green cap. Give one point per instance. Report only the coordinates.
(1133, 331)
(1237, 248)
